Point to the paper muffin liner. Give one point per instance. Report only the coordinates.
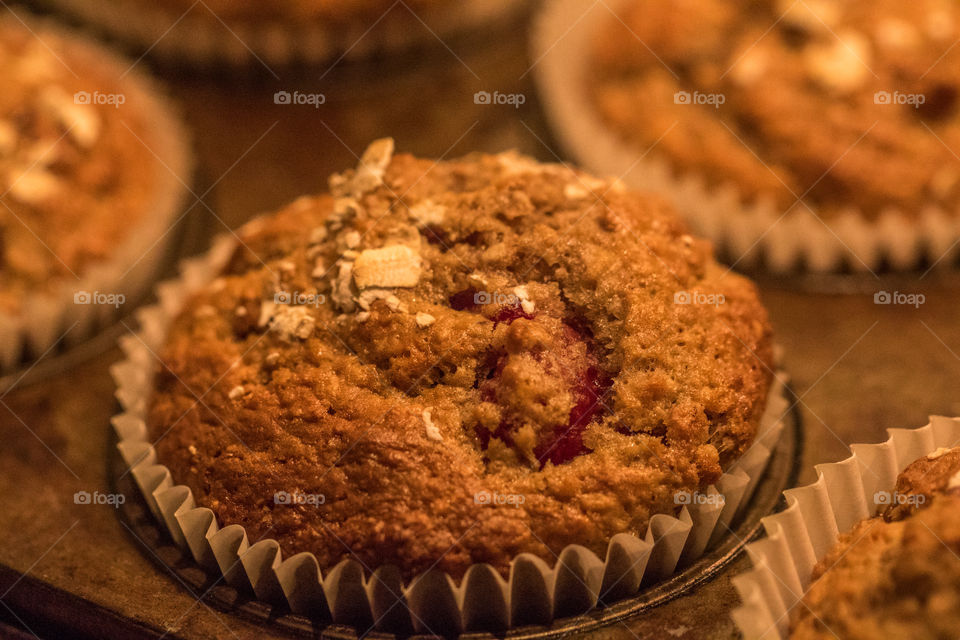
(755, 234)
(535, 592)
(802, 534)
(132, 269)
(200, 36)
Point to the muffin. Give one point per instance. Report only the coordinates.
(895, 575)
(91, 164)
(261, 33)
(439, 364)
(816, 133)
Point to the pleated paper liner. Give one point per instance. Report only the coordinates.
(135, 264)
(201, 37)
(802, 534)
(754, 234)
(535, 592)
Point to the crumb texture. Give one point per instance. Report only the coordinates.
(467, 360)
(896, 575)
(889, 580)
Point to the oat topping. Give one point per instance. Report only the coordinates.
(433, 433)
(33, 186)
(289, 321)
(369, 296)
(938, 453)
(369, 172)
(954, 482)
(525, 302)
(342, 294)
(427, 212)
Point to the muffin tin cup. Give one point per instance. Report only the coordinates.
(752, 234)
(68, 313)
(201, 37)
(802, 534)
(351, 594)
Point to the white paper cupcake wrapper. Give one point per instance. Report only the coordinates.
(135, 264)
(799, 536)
(201, 37)
(535, 592)
(756, 234)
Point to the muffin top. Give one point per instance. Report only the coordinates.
(845, 105)
(924, 478)
(445, 363)
(81, 152)
(896, 575)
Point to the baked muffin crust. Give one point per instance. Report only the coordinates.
(482, 357)
(922, 479)
(895, 575)
(844, 104)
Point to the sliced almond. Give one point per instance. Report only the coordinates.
(424, 320)
(392, 266)
(80, 120)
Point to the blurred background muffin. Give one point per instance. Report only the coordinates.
(248, 31)
(93, 167)
(896, 575)
(821, 134)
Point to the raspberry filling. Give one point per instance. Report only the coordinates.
(556, 356)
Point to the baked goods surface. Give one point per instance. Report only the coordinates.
(445, 363)
(843, 105)
(895, 575)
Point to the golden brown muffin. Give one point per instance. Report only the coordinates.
(919, 482)
(889, 580)
(446, 363)
(845, 104)
(86, 160)
(895, 576)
